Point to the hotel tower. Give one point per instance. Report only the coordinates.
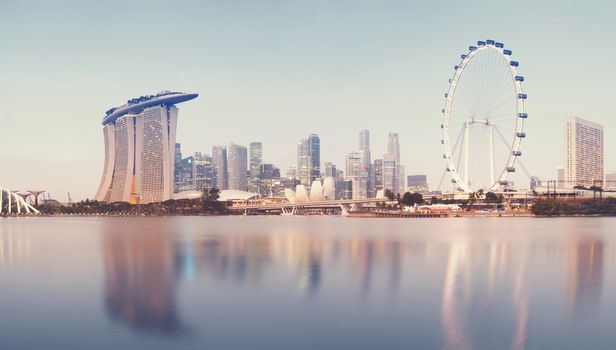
(139, 149)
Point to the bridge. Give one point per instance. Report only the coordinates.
(292, 208)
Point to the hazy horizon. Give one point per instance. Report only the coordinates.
(276, 71)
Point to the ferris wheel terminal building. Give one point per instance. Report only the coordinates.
(139, 149)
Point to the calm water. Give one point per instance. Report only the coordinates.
(307, 283)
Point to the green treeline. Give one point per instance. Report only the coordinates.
(552, 207)
(207, 204)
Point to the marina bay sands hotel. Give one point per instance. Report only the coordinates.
(139, 149)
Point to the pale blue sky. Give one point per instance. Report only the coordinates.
(275, 71)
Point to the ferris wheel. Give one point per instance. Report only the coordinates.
(483, 118)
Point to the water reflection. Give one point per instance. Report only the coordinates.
(584, 264)
(484, 282)
(140, 270)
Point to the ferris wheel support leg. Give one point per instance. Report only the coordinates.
(466, 150)
(491, 136)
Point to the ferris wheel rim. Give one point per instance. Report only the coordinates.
(520, 96)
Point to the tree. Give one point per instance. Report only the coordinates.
(409, 199)
(493, 198)
(210, 200)
(390, 195)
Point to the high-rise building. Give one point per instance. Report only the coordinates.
(237, 162)
(309, 160)
(193, 173)
(178, 153)
(314, 143)
(357, 172)
(417, 183)
(364, 146)
(393, 148)
(401, 178)
(177, 159)
(389, 173)
(256, 159)
(269, 172)
(378, 174)
(203, 172)
(584, 147)
(184, 175)
(560, 177)
(364, 140)
(140, 149)
(303, 162)
(219, 167)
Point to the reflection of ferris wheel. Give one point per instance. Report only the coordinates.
(483, 118)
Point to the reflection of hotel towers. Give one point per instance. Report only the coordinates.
(139, 278)
(456, 287)
(139, 149)
(584, 274)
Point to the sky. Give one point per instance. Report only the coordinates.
(275, 71)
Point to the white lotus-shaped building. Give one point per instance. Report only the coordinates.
(318, 192)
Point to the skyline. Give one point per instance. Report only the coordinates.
(334, 70)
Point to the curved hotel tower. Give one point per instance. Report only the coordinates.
(139, 149)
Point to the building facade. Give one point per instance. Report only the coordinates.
(140, 149)
(237, 165)
(219, 167)
(417, 183)
(256, 159)
(584, 158)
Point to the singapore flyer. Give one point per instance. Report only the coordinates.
(483, 118)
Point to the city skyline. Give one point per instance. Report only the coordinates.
(339, 68)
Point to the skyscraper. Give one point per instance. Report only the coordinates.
(584, 146)
(378, 174)
(418, 183)
(309, 160)
(389, 173)
(393, 148)
(357, 172)
(184, 175)
(140, 149)
(237, 167)
(314, 143)
(203, 173)
(364, 146)
(303, 162)
(219, 167)
(256, 159)
(364, 140)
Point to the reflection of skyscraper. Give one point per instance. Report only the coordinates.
(584, 274)
(139, 278)
(140, 149)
